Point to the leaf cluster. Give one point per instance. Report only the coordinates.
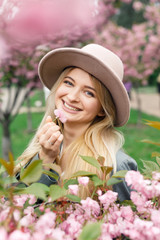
(150, 166)
(29, 176)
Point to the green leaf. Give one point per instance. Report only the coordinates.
(7, 180)
(147, 173)
(57, 192)
(51, 174)
(96, 180)
(150, 165)
(82, 173)
(70, 182)
(91, 231)
(2, 169)
(32, 173)
(91, 160)
(73, 198)
(3, 191)
(120, 174)
(113, 181)
(129, 203)
(40, 190)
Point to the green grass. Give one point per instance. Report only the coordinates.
(132, 132)
(19, 135)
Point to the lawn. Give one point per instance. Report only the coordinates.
(132, 132)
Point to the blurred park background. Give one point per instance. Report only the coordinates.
(31, 28)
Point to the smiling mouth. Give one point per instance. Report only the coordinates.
(69, 107)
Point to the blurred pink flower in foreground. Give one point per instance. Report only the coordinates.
(108, 198)
(83, 180)
(60, 114)
(73, 189)
(33, 21)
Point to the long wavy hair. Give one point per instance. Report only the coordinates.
(100, 139)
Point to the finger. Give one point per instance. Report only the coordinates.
(54, 137)
(52, 127)
(52, 133)
(48, 139)
(49, 119)
(58, 142)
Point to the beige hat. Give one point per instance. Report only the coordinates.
(96, 60)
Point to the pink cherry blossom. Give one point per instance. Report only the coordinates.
(19, 235)
(137, 6)
(127, 213)
(91, 207)
(73, 189)
(20, 200)
(134, 179)
(60, 114)
(46, 222)
(27, 220)
(16, 215)
(4, 214)
(32, 199)
(156, 176)
(60, 235)
(108, 198)
(99, 192)
(3, 233)
(83, 180)
(71, 227)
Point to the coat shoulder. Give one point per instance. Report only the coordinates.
(125, 162)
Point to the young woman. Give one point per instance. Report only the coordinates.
(86, 84)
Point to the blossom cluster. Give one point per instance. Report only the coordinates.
(136, 219)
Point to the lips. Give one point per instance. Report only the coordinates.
(70, 107)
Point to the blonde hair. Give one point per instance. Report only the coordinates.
(100, 139)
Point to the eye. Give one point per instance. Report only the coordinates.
(67, 82)
(89, 94)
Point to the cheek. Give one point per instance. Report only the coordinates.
(97, 108)
(95, 105)
(59, 93)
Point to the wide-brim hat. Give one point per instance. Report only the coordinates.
(96, 60)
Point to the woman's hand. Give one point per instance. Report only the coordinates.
(50, 139)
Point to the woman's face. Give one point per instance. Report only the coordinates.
(77, 97)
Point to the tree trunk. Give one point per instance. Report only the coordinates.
(6, 140)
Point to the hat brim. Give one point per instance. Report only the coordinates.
(53, 63)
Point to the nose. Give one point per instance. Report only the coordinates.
(74, 95)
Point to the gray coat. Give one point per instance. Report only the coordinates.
(124, 162)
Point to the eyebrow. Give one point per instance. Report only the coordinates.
(84, 86)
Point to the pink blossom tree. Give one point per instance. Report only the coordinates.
(138, 47)
(30, 28)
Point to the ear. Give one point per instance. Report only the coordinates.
(101, 113)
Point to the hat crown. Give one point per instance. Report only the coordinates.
(108, 58)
